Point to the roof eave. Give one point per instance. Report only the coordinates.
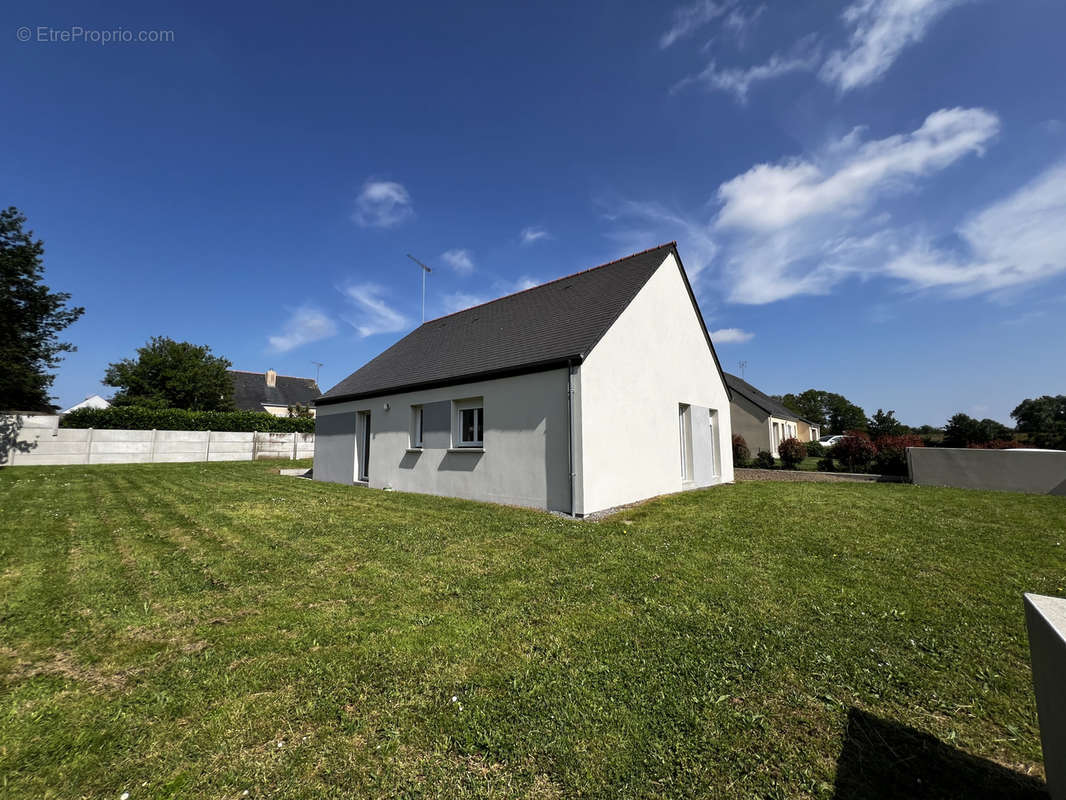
(508, 372)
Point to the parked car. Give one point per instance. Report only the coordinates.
(830, 441)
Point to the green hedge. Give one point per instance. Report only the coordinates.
(135, 418)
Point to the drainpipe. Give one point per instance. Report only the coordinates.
(570, 429)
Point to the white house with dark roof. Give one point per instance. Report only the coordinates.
(588, 392)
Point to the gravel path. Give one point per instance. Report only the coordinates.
(816, 477)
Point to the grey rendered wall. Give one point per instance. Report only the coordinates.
(524, 460)
(1032, 471)
(750, 422)
(1045, 619)
(335, 445)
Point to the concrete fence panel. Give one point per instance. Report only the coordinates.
(38, 440)
(1031, 471)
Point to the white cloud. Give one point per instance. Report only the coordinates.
(458, 301)
(879, 32)
(382, 204)
(1015, 241)
(376, 316)
(804, 225)
(533, 234)
(731, 336)
(306, 324)
(692, 17)
(660, 224)
(459, 260)
(773, 196)
(739, 81)
(523, 283)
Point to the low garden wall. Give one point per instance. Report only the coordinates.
(34, 442)
(1032, 471)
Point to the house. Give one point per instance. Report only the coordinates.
(273, 393)
(588, 392)
(92, 401)
(763, 421)
(808, 431)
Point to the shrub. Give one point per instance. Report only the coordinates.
(826, 464)
(792, 452)
(892, 453)
(764, 460)
(1000, 444)
(854, 452)
(815, 449)
(741, 453)
(136, 418)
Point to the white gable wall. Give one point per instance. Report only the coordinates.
(652, 359)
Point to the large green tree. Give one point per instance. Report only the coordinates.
(963, 430)
(833, 413)
(884, 423)
(31, 318)
(1044, 419)
(169, 374)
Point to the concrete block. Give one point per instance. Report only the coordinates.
(1045, 617)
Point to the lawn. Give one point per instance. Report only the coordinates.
(221, 631)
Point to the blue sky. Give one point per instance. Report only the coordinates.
(869, 196)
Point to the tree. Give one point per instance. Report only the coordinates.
(31, 317)
(884, 423)
(169, 374)
(855, 451)
(833, 413)
(963, 430)
(1044, 419)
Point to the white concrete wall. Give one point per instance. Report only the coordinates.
(652, 359)
(1045, 619)
(524, 460)
(56, 446)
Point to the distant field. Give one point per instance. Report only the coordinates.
(202, 630)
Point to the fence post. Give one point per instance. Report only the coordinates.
(89, 448)
(294, 445)
(151, 448)
(207, 447)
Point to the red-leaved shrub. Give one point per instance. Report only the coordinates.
(999, 444)
(741, 453)
(855, 451)
(892, 453)
(791, 451)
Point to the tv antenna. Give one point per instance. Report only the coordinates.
(318, 369)
(425, 271)
(743, 366)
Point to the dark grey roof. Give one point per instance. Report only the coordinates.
(774, 408)
(539, 328)
(251, 393)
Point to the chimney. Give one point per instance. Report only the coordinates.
(272, 378)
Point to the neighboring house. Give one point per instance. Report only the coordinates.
(763, 421)
(807, 431)
(92, 401)
(273, 393)
(585, 393)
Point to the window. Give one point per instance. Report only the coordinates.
(416, 426)
(686, 441)
(713, 415)
(470, 423)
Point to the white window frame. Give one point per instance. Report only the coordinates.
(684, 429)
(417, 432)
(476, 405)
(715, 456)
